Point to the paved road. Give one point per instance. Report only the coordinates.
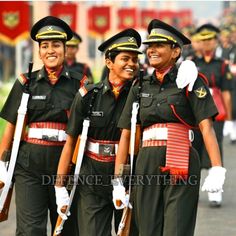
(210, 222)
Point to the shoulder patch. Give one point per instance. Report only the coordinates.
(201, 92)
(22, 79)
(84, 81)
(88, 87)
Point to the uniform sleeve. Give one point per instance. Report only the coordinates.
(201, 101)
(227, 77)
(125, 118)
(10, 108)
(75, 122)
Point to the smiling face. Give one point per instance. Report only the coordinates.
(124, 67)
(52, 53)
(162, 55)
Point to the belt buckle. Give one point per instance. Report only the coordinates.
(107, 149)
(50, 137)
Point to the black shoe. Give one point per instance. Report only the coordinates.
(215, 204)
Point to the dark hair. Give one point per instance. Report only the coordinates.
(175, 45)
(111, 54)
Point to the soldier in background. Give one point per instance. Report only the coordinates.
(227, 51)
(218, 75)
(72, 48)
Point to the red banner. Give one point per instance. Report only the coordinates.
(14, 21)
(146, 16)
(185, 18)
(66, 12)
(167, 16)
(99, 19)
(127, 18)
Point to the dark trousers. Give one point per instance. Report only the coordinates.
(95, 213)
(164, 207)
(35, 194)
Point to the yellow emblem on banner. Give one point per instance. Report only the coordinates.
(101, 21)
(201, 92)
(128, 21)
(11, 19)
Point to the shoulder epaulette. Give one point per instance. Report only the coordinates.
(89, 87)
(22, 79)
(76, 75)
(135, 81)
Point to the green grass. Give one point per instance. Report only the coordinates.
(4, 91)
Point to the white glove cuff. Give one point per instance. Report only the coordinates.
(217, 170)
(62, 196)
(117, 182)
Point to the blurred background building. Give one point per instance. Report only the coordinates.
(94, 21)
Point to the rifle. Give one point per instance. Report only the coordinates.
(6, 194)
(81, 143)
(124, 226)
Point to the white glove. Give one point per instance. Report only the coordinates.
(187, 75)
(62, 199)
(3, 171)
(119, 194)
(215, 180)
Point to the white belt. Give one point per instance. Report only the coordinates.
(161, 134)
(47, 134)
(104, 149)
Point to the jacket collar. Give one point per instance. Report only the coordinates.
(43, 73)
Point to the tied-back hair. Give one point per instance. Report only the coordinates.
(111, 55)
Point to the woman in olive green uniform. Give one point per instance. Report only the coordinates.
(95, 192)
(168, 168)
(52, 90)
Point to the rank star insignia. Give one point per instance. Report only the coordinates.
(200, 92)
(131, 39)
(50, 28)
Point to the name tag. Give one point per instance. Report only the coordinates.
(146, 95)
(97, 113)
(39, 97)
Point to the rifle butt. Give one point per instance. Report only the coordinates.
(59, 220)
(124, 226)
(58, 223)
(6, 207)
